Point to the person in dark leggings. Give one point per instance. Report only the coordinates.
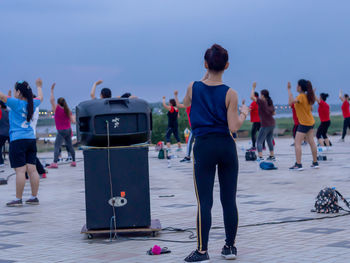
(4, 130)
(190, 142)
(324, 114)
(346, 114)
(255, 120)
(173, 126)
(214, 116)
(266, 112)
(63, 120)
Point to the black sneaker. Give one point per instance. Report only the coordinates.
(271, 158)
(195, 256)
(229, 252)
(34, 201)
(296, 167)
(186, 160)
(315, 165)
(15, 203)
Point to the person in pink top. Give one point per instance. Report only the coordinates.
(63, 120)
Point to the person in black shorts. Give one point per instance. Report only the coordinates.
(173, 115)
(22, 138)
(214, 117)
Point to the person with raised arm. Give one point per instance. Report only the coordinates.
(305, 131)
(324, 114)
(105, 92)
(173, 126)
(63, 120)
(187, 158)
(22, 138)
(345, 108)
(256, 123)
(266, 113)
(214, 117)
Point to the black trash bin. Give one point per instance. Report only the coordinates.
(128, 120)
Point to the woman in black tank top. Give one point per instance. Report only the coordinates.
(173, 115)
(214, 111)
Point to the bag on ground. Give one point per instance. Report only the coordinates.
(250, 156)
(327, 201)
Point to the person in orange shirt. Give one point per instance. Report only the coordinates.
(303, 107)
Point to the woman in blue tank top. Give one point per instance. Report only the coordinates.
(214, 116)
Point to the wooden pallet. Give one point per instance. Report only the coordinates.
(153, 229)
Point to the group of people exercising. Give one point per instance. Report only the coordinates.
(213, 115)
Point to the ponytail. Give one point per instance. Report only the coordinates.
(26, 92)
(62, 102)
(266, 94)
(306, 87)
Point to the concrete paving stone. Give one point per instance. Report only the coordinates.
(51, 232)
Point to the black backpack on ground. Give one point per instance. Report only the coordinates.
(327, 201)
(250, 156)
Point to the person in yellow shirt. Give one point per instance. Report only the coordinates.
(303, 107)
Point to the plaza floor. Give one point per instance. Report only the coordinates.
(274, 209)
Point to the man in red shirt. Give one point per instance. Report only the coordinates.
(346, 113)
(255, 120)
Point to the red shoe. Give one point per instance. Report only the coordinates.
(73, 164)
(43, 176)
(53, 165)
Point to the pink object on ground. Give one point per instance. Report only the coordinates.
(62, 121)
(53, 165)
(73, 164)
(156, 250)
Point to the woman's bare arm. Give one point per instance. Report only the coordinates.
(188, 97)
(93, 89)
(317, 97)
(252, 93)
(72, 118)
(39, 86)
(3, 97)
(52, 98)
(165, 105)
(291, 99)
(341, 96)
(178, 104)
(235, 121)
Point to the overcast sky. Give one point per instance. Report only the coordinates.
(151, 48)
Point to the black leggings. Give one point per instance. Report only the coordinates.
(323, 129)
(175, 131)
(211, 151)
(346, 125)
(255, 128)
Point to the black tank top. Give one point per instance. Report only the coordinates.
(172, 117)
